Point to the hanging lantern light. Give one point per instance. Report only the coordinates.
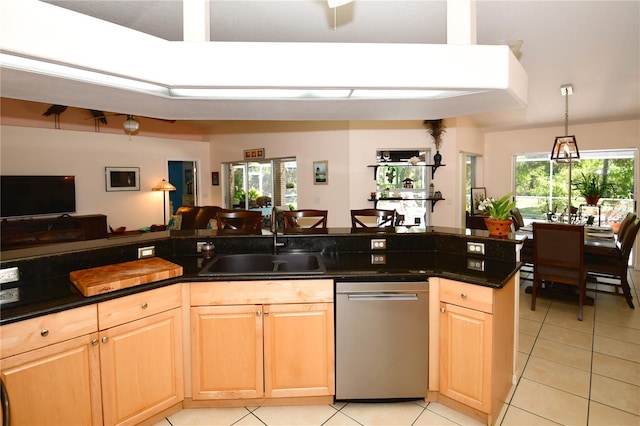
(131, 125)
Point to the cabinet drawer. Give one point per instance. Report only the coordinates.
(261, 292)
(130, 308)
(46, 330)
(467, 295)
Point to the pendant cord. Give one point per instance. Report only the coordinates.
(566, 112)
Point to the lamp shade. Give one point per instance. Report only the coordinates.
(565, 149)
(163, 185)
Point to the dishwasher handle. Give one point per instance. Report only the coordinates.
(382, 296)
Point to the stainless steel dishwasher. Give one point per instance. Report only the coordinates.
(382, 340)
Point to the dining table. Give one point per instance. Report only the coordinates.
(599, 241)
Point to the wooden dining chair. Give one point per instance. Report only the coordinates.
(616, 266)
(558, 257)
(241, 222)
(307, 221)
(373, 218)
(624, 226)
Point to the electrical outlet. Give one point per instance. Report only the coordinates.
(199, 245)
(475, 264)
(379, 244)
(378, 259)
(144, 252)
(475, 248)
(9, 295)
(9, 275)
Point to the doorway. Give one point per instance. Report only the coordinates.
(182, 175)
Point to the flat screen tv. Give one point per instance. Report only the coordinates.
(37, 195)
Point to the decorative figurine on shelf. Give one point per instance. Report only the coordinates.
(432, 190)
(407, 183)
(391, 173)
(436, 128)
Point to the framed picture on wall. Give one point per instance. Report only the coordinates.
(122, 178)
(321, 172)
(477, 195)
(215, 178)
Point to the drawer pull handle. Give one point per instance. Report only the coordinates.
(44, 332)
(463, 295)
(442, 310)
(94, 342)
(266, 314)
(105, 339)
(144, 305)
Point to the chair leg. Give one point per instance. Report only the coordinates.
(534, 290)
(625, 288)
(581, 294)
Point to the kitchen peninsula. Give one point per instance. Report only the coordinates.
(179, 314)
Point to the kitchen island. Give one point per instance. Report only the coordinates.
(439, 255)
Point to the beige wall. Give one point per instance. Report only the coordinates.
(86, 154)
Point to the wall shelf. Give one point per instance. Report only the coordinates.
(433, 200)
(434, 167)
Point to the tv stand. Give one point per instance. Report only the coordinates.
(22, 233)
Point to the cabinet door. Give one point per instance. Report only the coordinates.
(299, 350)
(142, 368)
(55, 385)
(226, 355)
(466, 355)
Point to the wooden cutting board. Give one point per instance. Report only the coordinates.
(104, 279)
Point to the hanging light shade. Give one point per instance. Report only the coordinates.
(131, 125)
(565, 148)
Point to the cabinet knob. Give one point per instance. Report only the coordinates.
(266, 314)
(442, 310)
(94, 342)
(463, 295)
(144, 305)
(105, 339)
(44, 332)
(258, 313)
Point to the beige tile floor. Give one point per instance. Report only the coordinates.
(572, 373)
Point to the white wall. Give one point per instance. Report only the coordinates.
(86, 154)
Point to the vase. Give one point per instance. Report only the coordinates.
(498, 227)
(437, 158)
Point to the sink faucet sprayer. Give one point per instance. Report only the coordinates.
(274, 231)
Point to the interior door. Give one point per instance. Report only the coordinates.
(182, 175)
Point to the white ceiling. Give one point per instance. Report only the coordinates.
(593, 45)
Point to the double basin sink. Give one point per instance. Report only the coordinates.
(261, 264)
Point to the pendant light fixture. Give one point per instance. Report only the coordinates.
(565, 148)
(131, 125)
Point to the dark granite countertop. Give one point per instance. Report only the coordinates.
(45, 286)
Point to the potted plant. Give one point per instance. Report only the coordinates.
(499, 220)
(591, 187)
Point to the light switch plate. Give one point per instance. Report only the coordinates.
(144, 252)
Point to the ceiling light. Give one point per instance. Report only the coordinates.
(337, 3)
(131, 125)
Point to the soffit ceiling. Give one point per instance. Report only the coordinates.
(593, 45)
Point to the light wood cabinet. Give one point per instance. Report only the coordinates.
(476, 346)
(141, 355)
(52, 374)
(242, 348)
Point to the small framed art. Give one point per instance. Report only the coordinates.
(477, 195)
(254, 154)
(321, 172)
(215, 178)
(122, 178)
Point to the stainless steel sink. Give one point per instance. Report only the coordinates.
(259, 264)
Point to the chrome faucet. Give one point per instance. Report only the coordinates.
(274, 231)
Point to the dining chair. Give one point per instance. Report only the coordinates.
(241, 222)
(558, 257)
(516, 216)
(306, 221)
(624, 226)
(373, 218)
(616, 266)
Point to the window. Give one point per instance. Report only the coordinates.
(542, 185)
(260, 184)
